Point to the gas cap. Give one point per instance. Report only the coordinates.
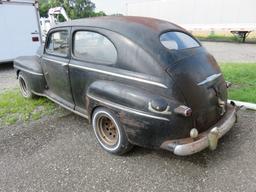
(159, 105)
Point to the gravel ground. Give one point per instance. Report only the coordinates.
(62, 154)
(7, 77)
(232, 52)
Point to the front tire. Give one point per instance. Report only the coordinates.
(109, 132)
(25, 88)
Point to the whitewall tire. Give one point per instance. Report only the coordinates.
(25, 88)
(109, 132)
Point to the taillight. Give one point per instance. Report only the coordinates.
(183, 110)
(35, 39)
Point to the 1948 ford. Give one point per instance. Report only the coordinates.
(139, 81)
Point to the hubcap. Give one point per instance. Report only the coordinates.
(107, 131)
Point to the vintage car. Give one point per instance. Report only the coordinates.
(139, 81)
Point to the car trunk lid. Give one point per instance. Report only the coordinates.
(199, 78)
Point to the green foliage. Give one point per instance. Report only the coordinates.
(44, 7)
(74, 8)
(99, 14)
(224, 38)
(213, 37)
(243, 78)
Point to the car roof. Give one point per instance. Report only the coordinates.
(124, 24)
(143, 31)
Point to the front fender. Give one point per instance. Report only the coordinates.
(30, 65)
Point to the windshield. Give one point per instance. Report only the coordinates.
(178, 40)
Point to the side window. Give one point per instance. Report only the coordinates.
(94, 47)
(58, 43)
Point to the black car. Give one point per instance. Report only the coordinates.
(139, 81)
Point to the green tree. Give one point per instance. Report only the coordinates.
(74, 8)
(43, 8)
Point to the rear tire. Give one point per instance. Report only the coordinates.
(109, 132)
(25, 88)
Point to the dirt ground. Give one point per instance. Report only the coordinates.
(62, 154)
(7, 77)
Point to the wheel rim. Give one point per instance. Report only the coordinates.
(107, 131)
(23, 87)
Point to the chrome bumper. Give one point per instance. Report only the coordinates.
(189, 146)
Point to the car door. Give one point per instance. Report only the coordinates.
(55, 62)
(92, 52)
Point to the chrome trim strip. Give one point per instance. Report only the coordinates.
(165, 112)
(210, 78)
(62, 105)
(127, 109)
(120, 75)
(31, 72)
(56, 61)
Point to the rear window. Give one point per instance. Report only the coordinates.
(177, 41)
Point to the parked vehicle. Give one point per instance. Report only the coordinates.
(139, 81)
(20, 29)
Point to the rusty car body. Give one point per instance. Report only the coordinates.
(139, 81)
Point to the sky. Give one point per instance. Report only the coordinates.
(110, 6)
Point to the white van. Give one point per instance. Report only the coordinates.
(20, 32)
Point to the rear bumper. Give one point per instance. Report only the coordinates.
(189, 146)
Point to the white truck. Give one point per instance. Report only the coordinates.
(236, 16)
(52, 19)
(20, 32)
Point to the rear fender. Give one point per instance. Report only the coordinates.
(124, 98)
(143, 126)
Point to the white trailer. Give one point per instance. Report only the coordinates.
(19, 29)
(233, 15)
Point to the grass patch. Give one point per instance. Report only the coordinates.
(218, 38)
(243, 78)
(224, 38)
(14, 108)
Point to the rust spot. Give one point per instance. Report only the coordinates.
(125, 119)
(173, 143)
(149, 22)
(152, 23)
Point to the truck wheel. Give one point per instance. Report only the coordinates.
(109, 132)
(25, 87)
